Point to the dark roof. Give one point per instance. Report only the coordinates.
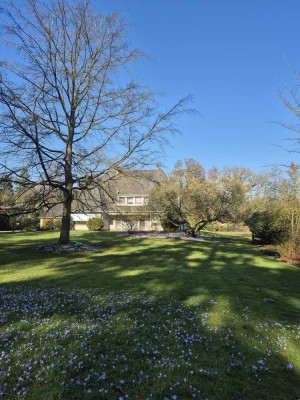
(54, 212)
(139, 183)
(135, 182)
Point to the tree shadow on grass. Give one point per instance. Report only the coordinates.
(248, 297)
(144, 345)
(177, 268)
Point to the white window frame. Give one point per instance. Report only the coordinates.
(144, 200)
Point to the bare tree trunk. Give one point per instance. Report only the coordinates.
(68, 192)
(66, 219)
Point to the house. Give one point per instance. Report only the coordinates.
(121, 202)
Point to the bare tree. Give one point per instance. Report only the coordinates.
(67, 115)
(291, 100)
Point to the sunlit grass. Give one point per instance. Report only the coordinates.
(147, 319)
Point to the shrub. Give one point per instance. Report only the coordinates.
(48, 226)
(290, 250)
(29, 224)
(95, 224)
(56, 224)
(269, 226)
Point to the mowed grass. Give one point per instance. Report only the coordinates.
(147, 319)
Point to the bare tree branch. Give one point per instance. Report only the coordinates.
(68, 116)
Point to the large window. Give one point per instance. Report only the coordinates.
(133, 200)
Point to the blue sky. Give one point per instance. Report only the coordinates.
(233, 57)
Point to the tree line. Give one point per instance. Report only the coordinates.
(193, 199)
(267, 202)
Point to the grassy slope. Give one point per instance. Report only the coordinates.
(250, 304)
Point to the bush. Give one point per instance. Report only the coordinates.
(29, 224)
(56, 224)
(48, 226)
(269, 226)
(290, 250)
(95, 224)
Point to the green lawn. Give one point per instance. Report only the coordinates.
(147, 319)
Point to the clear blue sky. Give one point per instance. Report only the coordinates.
(233, 57)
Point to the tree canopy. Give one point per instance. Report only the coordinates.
(70, 115)
(195, 197)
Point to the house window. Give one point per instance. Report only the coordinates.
(120, 224)
(154, 219)
(142, 225)
(132, 200)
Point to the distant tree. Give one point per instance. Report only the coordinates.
(68, 116)
(195, 198)
(6, 201)
(273, 214)
(241, 183)
(6, 192)
(290, 197)
(291, 100)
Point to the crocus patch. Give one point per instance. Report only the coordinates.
(88, 344)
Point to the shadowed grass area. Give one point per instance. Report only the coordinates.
(215, 320)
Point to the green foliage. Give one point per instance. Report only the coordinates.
(290, 250)
(95, 224)
(56, 224)
(194, 197)
(6, 202)
(273, 214)
(29, 224)
(269, 226)
(170, 222)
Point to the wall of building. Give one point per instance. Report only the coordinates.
(80, 227)
(119, 226)
(112, 224)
